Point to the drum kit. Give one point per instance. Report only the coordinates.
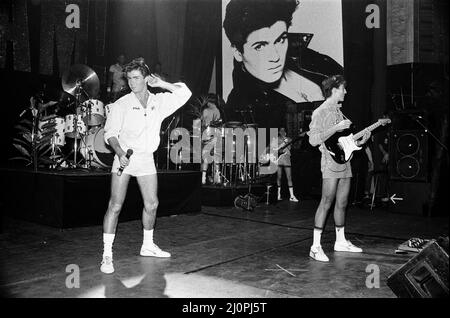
(79, 121)
(235, 163)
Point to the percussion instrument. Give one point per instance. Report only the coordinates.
(74, 126)
(81, 80)
(93, 112)
(57, 125)
(96, 150)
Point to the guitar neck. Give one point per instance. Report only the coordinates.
(284, 145)
(370, 128)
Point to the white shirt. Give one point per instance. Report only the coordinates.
(138, 128)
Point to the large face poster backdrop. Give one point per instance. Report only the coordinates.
(316, 28)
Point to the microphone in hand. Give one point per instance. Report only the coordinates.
(128, 155)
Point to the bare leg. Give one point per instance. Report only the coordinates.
(204, 171)
(119, 186)
(288, 171)
(341, 244)
(149, 189)
(329, 187)
(343, 189)
(279, 176)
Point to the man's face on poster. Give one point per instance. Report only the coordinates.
(264, 53)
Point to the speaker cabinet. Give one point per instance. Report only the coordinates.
(408, 143)
(423, 276)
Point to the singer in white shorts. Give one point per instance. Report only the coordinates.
(134, 124)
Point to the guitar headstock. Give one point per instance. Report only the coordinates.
(384, 121)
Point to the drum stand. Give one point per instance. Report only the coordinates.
(55, 154)
(78, 134)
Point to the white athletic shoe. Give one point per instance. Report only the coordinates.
(317, 253)
(107, 266)
(153, 250)
(293, 199)
(346, 246)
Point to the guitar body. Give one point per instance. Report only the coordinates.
(268, 156)
(341, 146)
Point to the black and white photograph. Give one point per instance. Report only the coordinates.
(232, 157)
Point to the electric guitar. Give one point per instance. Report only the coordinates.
(342, 144)
(277, 152)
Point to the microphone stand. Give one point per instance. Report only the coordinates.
(430, 133)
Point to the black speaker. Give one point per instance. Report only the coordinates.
(408, 147)
(423, 276)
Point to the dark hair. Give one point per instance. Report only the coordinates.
(137, 64)
(242, 17)
(331, 82)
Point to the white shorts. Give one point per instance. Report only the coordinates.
(140, 165)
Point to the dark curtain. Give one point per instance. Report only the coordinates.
(358, 59)
(131, 30)
(203, 32)
(34, 30)
(358, 71)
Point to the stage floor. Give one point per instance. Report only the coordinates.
(217, 253)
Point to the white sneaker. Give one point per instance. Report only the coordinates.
(346, 246)
(317, 253)
(153, 250)
(107, 266)
(293, 199)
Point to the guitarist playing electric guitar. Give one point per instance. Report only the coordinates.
(279, 153)
(283, 144)
(326, 121)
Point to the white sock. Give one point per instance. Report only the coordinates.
(148, 237)
(317, 235)
(340, 234)
(279, 192)
(108, 240)
(203, 176)
(291, 191)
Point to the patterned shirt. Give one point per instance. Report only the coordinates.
(323, 118)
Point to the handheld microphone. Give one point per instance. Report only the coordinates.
(128, 155)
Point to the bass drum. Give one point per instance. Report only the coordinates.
(96, 150)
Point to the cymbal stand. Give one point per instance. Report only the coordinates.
(78, 90)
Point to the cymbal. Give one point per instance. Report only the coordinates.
(81, 79)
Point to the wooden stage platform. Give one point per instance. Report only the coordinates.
(78, 197)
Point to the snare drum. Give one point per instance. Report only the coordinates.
(93, 112)
(73, 121)
(97, 150)
(58, 123)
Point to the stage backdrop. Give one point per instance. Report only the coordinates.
(321, 18)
